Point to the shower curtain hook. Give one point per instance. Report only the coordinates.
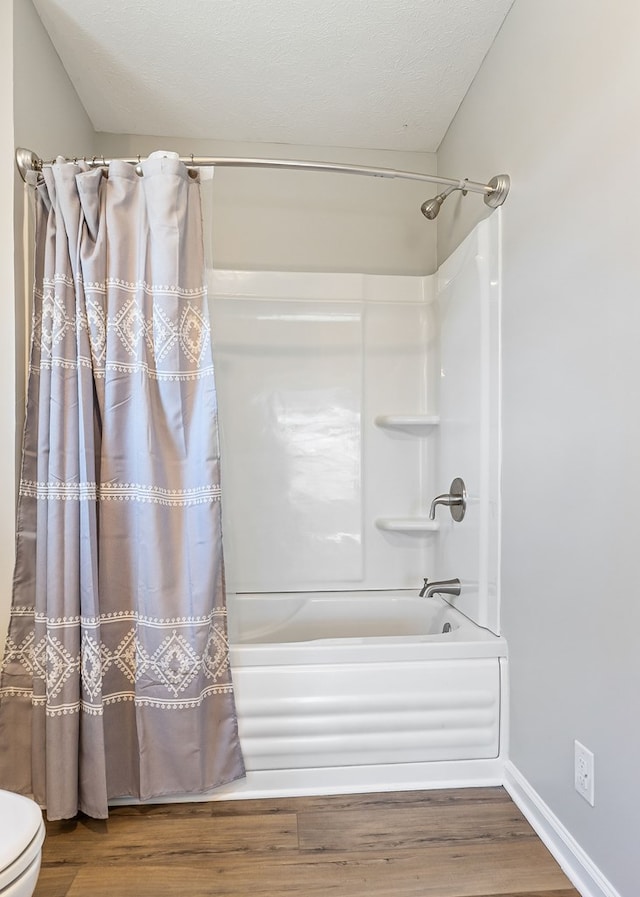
(193, 171)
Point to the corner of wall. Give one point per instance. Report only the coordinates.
(572, 859)
(48, 115)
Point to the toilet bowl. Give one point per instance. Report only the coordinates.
(21, 836)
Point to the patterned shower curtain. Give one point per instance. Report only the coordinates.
(116, 678)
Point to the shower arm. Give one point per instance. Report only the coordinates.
(495, 192)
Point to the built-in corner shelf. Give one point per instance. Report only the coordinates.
(407, 421)
(407, 524)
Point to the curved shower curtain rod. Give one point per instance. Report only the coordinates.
(495, 192)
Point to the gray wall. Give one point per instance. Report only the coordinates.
(48, 116)
(301, 221)
(555, 105)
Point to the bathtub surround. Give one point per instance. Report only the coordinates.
(116, 678)
(468, 291)
(346, 403)
(304, 365)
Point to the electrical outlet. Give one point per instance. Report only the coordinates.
(583, 772)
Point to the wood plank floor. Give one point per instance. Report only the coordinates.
(449, 843)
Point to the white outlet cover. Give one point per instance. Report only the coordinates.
(584, 767)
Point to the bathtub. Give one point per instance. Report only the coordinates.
(355, 691)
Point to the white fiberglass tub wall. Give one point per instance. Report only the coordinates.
(305, 366)
(347, 402)
(468, 314)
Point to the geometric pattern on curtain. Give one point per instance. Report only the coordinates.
(116, 678)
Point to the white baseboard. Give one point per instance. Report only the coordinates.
(574, 862)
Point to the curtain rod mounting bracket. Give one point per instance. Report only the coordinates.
(499, 190)
(27, 160)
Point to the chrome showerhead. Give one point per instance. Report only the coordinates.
(431, 207)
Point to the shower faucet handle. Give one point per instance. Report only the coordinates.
(455, 499)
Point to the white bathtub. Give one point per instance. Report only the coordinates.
(363, 690)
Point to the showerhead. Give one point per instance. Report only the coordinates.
(431, 207)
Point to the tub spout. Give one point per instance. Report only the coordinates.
(440, 587)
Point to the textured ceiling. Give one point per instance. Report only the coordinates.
(381, 74)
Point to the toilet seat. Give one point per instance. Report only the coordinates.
(21, 835)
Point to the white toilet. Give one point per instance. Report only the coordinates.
(21, 837)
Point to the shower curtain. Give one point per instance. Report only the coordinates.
(116, 678)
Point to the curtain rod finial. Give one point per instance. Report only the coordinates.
(500, 185)
(27, 160)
